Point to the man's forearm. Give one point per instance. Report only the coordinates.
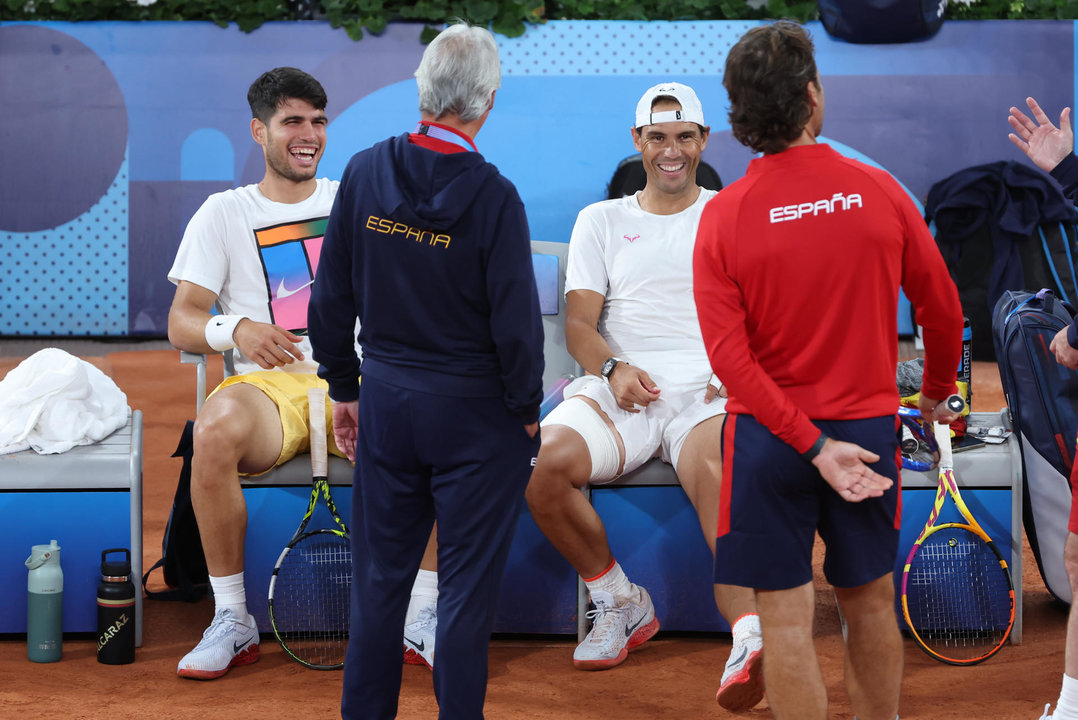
(187, 330)
(587, 347)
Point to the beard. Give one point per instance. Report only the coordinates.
(282, 167)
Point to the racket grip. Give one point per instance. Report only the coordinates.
(943, 440)
(955, 403)
(909, 442)
(316, 404)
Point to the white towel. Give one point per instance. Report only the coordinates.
(53, 401)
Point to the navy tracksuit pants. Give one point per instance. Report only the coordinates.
(421, 457)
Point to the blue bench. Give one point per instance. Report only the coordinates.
(651, 525)
(88, 499)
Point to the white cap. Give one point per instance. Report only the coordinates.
(691, 110)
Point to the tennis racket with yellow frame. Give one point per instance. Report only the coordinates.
(957, 593)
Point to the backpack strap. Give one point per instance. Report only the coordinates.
(1068, 244)
(1052, 264)
(186, 592)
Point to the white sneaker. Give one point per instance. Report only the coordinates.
(227, 642)
(1046, 716)
(618, 626)
(742, 685)
(419, 638)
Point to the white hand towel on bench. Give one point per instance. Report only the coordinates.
(53, 401)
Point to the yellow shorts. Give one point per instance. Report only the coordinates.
(289, 392)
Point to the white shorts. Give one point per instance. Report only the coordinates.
(660, 429)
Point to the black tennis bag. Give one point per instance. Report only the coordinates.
(881, 21)
(1043, 399)
(183, 561)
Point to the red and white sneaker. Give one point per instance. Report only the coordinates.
(419, 638)
(742, 685)
(228, 642)
(618, 626)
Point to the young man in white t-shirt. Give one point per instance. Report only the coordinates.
(631, 324)
(252, 252)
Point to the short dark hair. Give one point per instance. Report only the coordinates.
(766, 74)
(279, 85)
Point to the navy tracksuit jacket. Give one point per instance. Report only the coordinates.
(431, 252)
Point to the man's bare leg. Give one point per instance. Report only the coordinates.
(874, 652)
(560, 510)
(571, 524)
(700, 472)
(238, 430)
(1067, 703)
(795, 687)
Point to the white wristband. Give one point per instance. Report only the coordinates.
(714, 382)
(219, 331)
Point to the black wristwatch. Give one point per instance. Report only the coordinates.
(817, 446)
(608, 367)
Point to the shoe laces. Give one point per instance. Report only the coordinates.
(604, 619)
(427, 618)
(222, 623)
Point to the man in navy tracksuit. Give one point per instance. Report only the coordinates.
(428, 246)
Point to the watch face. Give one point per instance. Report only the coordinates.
(608, 367)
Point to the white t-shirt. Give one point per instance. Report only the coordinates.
(642, 263)
(259, 257)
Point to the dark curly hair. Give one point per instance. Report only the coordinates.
(767, 72)
(279, 85)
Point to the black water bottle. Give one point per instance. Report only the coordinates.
(116, 610)
(965, 365)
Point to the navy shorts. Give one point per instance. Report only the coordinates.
(774, 502)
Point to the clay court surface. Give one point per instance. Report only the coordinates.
(669, 677)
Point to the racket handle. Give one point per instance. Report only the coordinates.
(316, 404)
(909, 443)
(955, 403)
(943, 440)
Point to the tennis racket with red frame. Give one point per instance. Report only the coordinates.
(957, 593)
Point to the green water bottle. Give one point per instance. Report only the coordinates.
(44, 604)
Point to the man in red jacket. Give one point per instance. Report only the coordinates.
(797, 269)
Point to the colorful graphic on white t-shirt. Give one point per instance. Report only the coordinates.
(289, 255)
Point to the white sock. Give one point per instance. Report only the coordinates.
(747, 624)
(1067, 706)
(228, 592)
(424, 594)
(613, 581)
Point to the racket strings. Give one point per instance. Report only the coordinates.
(958, 595)
(312, 599)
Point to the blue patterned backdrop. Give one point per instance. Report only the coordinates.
(114, 133)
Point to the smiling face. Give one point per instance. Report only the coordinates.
(670, 151)
(293, 140)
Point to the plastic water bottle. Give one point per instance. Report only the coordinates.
(44, 604)
(116, 610)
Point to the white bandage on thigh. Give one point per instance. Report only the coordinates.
(576, 414)
(219, 331)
